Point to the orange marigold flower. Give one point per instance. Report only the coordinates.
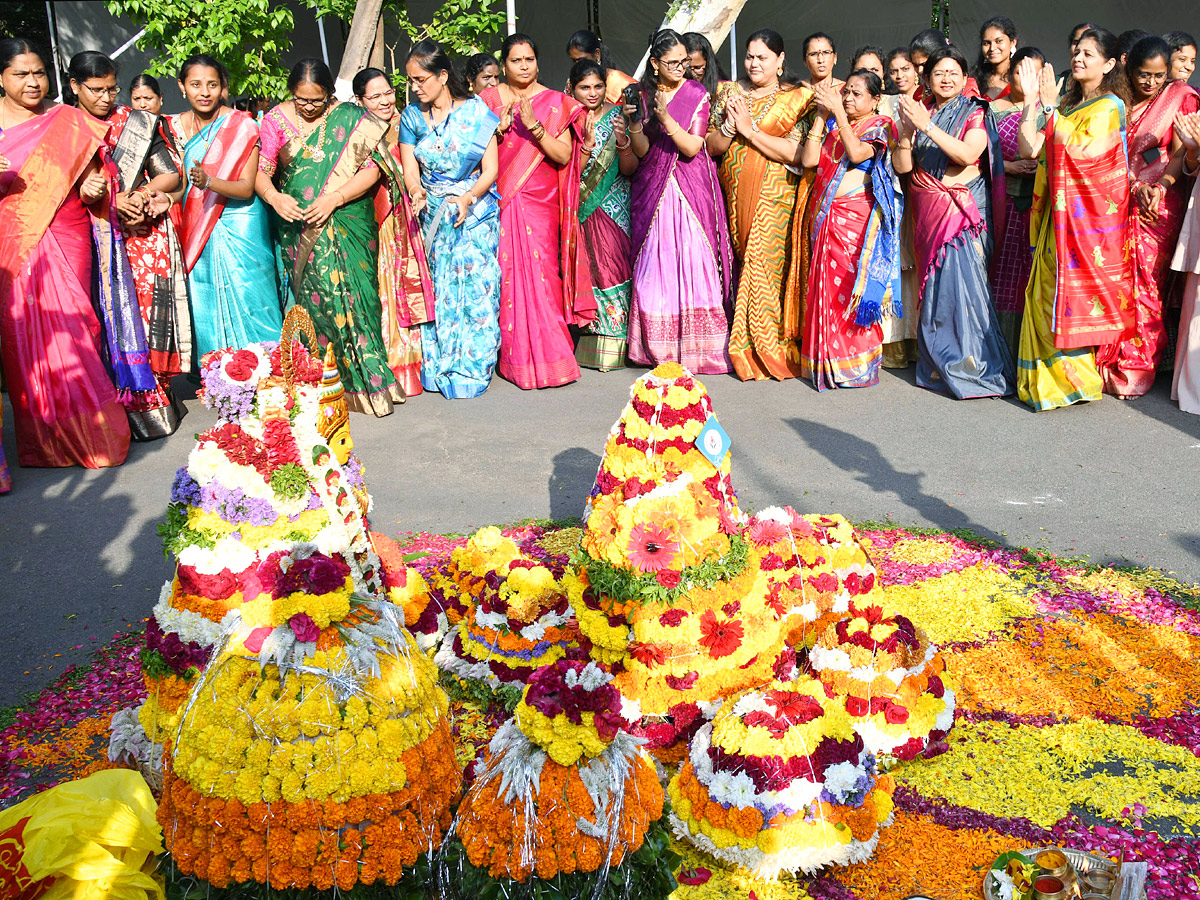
(322, 877)
(346, 874)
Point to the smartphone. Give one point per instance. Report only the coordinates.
(632, 96)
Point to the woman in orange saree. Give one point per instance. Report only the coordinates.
(545, 282)
(1160, 192)
(756, 129)
(65, 406)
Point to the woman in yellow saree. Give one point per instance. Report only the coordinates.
(756, 130)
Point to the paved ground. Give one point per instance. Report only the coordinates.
(79, 556)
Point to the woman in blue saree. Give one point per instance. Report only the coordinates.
(448, 150)
(956, 188)
(225, 232)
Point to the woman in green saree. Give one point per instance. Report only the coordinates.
(318, 167)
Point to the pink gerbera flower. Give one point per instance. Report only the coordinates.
(765, 532)
(652, 548)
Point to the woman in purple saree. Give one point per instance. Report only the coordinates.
(682, 257)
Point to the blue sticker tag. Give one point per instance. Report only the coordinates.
(713, 441)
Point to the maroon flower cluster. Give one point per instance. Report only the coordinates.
(774, 773)
(550, 695)
(179, 655)
(318, 574)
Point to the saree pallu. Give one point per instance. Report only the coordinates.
(65, 408)
(683, 261)
(1185, 385)
(153, 411)
(405, 285)
(1013, 256)
(961, 350)
(334, 269)
(761, 198)
(460, 345)
(604, 233)
(855, 273)
(545, 283)
(142, 149)
(1128, 367)
(1080, 286)
(227, 246)
(900, 332)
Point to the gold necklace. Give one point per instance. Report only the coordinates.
(766, 108)
(317, 154)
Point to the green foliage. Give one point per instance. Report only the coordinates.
(176, 534)
(248, 36)
(480, 694)
(462, 27)
(289, 482)
(624, 585)
(647, 874)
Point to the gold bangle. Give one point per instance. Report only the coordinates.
(675, 132)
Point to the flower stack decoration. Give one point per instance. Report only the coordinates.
(565, 794)
(780, 782)
(516, 617)
(890, 678)
(308, 744)
(686, 597)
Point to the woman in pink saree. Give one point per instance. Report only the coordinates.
(682, 255)
(64, 403)
(545, 281)
(1160, 195)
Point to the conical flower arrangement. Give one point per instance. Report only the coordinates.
(309, 745)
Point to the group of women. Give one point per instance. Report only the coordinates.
(1007, 231)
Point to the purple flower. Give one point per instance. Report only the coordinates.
(184, 489)
(232, 505)
(318, 574)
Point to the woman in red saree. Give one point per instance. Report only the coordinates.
(64, 404)
(405, 285)
(856, 208)
(545, 282)
(1160, 192)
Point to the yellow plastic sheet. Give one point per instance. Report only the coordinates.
(93, 839)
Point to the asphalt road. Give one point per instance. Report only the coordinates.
(1115, 481)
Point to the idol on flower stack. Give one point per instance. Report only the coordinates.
(780, 782)
(310, 746)
(515, 614)
(889, 676)
(688, 599)
(563, 793)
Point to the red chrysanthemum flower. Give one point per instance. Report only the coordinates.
(652, 549)
(722, 638)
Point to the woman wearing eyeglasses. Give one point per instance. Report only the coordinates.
(147, 166)
(682, 257)
(1160, 192)
(224, 229)
(405, 286)
(318, 170)
(153, 411)
(64, 403)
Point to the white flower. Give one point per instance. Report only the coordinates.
(841, 779)
(534, 631)
(775, 514)
(742, 791)
(492, 620)
(592, 677)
